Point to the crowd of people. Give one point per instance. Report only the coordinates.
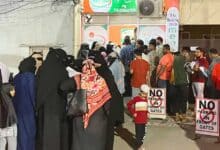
(34, 103)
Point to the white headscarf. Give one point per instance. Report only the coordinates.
(72, 72)
(5, 73)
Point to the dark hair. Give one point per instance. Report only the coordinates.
(140, 42)
(160, 39)
(109, 48)
(145, 47)
(213, 51)
(27, 65)
(201, 50)
(186, 48)
(138, 51)
(102, 49)
(70, 60)
(166, 46)
(84, 46)
(93, 45)
(153, 42)
(127, 40)
(176, 53)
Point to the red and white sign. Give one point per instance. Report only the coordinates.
(157, 103)
(207, 116)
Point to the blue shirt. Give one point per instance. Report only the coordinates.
(127, 55)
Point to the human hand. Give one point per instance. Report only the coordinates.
(12, 92)
(135, 115)
(196, 67)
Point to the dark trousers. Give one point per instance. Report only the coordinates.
(127, 84)
(165, 84)
(212, 92)
(140, 133)
(191, 98)
(179, 96)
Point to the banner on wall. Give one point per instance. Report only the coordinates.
(110, 6)
(117, 33)
(172, 24)
(126, 32)
(148, 32)
(93, 33)
(172, 29)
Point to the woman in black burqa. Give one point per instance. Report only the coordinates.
(7, 112)
(8, 117)
(116, 109)
(52, 126)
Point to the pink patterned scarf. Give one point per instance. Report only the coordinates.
(97, 91)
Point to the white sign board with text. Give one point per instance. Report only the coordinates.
(157, 103)
(207, 116)
(172, 29)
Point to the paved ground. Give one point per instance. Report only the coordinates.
(163, 135)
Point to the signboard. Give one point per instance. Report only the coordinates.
(172, 29)
(109, 6)
(126, 31)
(170, 3)
(148, 32)
(121, 6)
(93, 33)
(157, 103)
(207, 116)
(118, 32)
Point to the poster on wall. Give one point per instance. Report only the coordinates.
(117, 33)
(93, 33)
(172, 29)
(172, 24)
(109, 6)
(126, 32)
(148, 32)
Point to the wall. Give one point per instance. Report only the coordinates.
(199, 12)
(43, 23)
(126, 19)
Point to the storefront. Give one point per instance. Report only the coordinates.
(112, 20)
(198, 20)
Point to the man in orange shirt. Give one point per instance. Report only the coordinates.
(164, 68)
(164, 71)
(139, 69)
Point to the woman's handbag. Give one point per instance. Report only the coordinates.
(77, 103)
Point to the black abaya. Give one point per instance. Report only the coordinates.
(94, 136)
(51, 104)
(116, 111)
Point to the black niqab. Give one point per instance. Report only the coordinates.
(7, 112)
(51, 105)
(27, 65)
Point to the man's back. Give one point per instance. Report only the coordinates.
(127, 55)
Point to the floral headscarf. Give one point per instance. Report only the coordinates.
(97, 90)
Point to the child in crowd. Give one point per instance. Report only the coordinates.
(138, 108)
